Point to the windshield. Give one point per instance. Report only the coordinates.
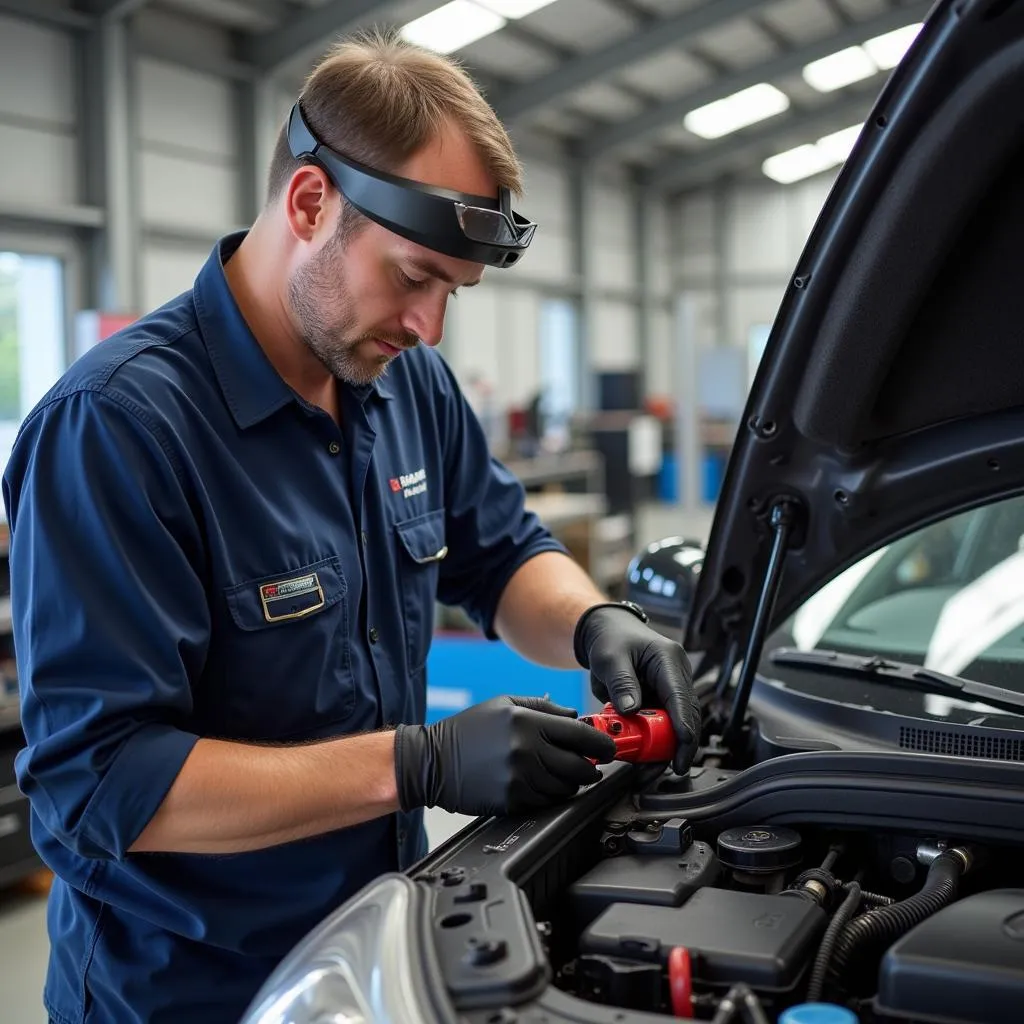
(949, 597)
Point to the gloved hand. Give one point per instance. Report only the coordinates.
(633, 666)
(502, 756)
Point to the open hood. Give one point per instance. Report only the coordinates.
(891, 391)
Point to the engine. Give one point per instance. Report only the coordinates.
(799, 925)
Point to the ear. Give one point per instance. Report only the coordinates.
(310, 203)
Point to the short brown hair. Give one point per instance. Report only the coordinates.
(377, 99)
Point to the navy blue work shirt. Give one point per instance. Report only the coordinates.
(196, 551)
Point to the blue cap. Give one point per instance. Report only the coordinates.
(817, 1013)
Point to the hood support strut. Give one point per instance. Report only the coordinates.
(783, 516)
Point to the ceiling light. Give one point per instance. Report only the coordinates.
(452, 26)
(839, 144)
(513, 9)
(794, 164)
(736, 111)
(888, 50)
(839, 69)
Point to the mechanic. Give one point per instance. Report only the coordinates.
(229, 525)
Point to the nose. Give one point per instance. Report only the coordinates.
(425, 319)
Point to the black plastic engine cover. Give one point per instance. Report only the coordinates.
(964, 965)
(765, 941)
(654, 881)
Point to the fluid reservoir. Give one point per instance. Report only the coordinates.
(817, 1013)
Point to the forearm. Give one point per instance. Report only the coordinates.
(235, 797)
(541, 605)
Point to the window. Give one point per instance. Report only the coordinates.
(559, 368)
(949, 597)
(32, 337)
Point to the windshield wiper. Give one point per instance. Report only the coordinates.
(900, 673)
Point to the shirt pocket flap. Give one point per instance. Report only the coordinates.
(424, 537)
(289, 596)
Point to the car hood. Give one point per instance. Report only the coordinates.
(891, 391)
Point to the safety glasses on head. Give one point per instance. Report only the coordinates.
(474, 228)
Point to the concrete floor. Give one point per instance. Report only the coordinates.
(24, 945)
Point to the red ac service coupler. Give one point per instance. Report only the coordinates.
(645, 736)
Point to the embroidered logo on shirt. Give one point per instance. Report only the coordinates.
(410, 484)
(291, 599)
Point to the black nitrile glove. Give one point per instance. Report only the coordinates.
(633, 666)
(505, 755)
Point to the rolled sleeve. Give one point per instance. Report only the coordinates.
(490, 532)
(110, 618)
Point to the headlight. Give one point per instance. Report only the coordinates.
(361, 965)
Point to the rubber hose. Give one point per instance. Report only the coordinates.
(878, 901)
(879, 928)
(740, 999)
(839, 920)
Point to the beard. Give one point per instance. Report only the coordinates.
(318, 287)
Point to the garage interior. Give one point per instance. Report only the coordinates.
(677, 154)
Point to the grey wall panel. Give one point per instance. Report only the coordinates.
(615, 336)
(179, 193)
(186, 109)
(38, 167)
(613, 231)
(546, 201)
(518, 346)
(37, 116)
(169, 270)
(36, 73)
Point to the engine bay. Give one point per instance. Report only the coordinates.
(757, 920)
(688, 902)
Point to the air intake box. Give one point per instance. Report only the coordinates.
(766, 941)
(963, 965)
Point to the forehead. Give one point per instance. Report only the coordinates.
(450, 160)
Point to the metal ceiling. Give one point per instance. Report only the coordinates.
(597, 80)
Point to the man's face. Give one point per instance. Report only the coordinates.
(361, 299)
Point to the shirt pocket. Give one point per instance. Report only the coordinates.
(287, 656)
(422, 550)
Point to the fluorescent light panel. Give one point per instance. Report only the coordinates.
(888, 50)
(513, 9)
(736, 111)
(461, 22)
(449, 28)
(839, 69)
(794, 164)
(812, 157)
(856, 63)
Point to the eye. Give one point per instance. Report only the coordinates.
(407, 281)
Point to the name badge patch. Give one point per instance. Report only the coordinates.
(291, 599)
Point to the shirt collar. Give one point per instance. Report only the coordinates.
(252, 387)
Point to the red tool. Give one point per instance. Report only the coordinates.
(644, 736)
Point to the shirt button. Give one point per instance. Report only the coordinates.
(374, 635)
(334, 447)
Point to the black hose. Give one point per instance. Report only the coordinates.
(877, 929)
(839, 920)
(834, 854)
(740, 998)
(876, 900)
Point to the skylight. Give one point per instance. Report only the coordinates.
(856, 63)
(736, 111)
(812, 157)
